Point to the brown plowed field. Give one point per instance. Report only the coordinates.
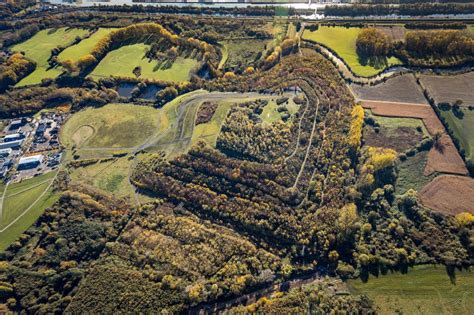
(445, 158)
(449, 194)
(401, 88)
(449, 88)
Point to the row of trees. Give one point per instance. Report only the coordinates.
(421, 47)
(415, 9)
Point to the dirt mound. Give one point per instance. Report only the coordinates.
(449, 194)
(445, 158)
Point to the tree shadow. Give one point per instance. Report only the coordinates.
(377, 62)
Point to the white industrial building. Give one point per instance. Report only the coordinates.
(12, 144)
(30, 161)
(5, 152)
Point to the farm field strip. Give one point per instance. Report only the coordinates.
(444, 191)
(448, 161)
(450, 88)
(400, 89)
(463, 129)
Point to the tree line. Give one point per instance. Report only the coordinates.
(414, 9)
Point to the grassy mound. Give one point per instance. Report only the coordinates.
(114, 125)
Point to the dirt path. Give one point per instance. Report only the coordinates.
(443, 158)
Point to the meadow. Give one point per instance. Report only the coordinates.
(463, 130)
(122, 62)
(38, 48)
(425, 289)
(343, 41)
(84, 47)
(31, 195)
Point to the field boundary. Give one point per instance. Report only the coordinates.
(444, 160)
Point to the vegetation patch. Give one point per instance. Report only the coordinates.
(84, 47)
(244, 52)
(123, 61)
(399, 134)
(38, 48)
(110, 175)
(463, 129)
(411, 173)
(342, 40)
(423, 290)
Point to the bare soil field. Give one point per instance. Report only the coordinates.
(400, 139)
(393, 32)
(445, 158)
(449, 88)
(445, 191)
(399, 89)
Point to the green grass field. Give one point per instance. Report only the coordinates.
(343, 41)
(111, 176)
(111, 126)
(18, 198)
(463, 130)
(423, 290)
(38, 48)
(122, 61)
(84, 47)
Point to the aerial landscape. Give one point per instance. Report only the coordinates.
(237, 157)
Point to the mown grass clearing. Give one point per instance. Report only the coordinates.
(111, 176)
(463, 130)
(423, 290)
(270, 112)
(38, 48)
(83, 47)
(114, 126)
(19, 197)
(343, 41)
(122, 62)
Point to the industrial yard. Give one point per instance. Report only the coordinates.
(30, 147)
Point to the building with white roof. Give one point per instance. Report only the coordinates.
(30, 161)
